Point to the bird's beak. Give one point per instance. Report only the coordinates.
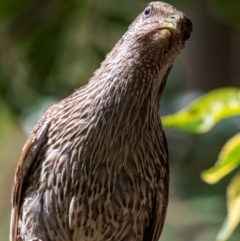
(177, 24)
(171, 24)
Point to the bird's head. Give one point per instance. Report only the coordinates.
(146, 52)
(158, 34)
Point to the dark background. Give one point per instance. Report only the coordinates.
(48, 48)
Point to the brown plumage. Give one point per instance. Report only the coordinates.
(95, 168)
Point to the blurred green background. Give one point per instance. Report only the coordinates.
(49, 48)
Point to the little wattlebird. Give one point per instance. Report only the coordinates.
(95, 167)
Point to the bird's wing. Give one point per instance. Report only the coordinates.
(160, 204)
(158, 215)
(30, 151)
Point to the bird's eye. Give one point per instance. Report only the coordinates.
(147, 11)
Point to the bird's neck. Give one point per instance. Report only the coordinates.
(128, 89)
(120, 113)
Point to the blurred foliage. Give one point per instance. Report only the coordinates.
(48, 48)
(228, 160)
(228, 11)
(233, 205)
(205, 112)
(200, 116)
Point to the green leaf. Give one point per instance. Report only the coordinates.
(202, 114)
(233, 208)
(228, 159)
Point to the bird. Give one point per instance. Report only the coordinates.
(95, 167)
